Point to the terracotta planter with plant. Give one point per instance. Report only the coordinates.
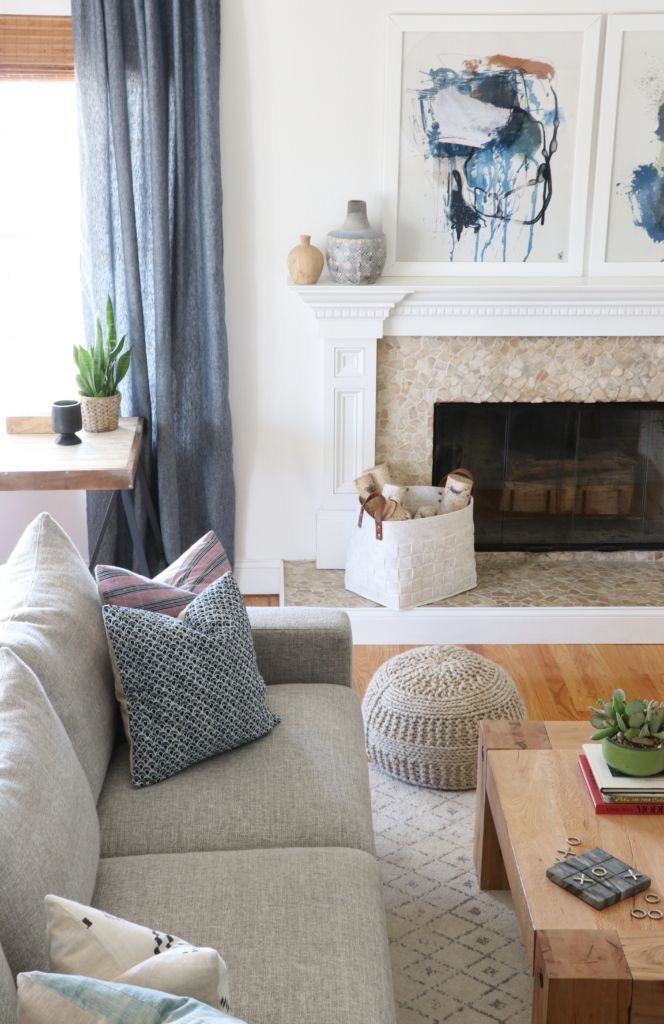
(100, 369)
(632, 734)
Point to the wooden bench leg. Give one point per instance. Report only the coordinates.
(502, 735)
(581, 977)
(489, 864)
(647, 1002)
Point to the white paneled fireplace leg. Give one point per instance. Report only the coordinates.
(350, 441)
(350, 322)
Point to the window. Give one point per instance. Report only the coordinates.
(40, 296)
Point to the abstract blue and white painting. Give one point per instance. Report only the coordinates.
(488, 134)
(635, 231)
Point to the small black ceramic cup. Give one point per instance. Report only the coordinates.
(66, 420)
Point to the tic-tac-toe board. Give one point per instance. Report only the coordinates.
(598, 878)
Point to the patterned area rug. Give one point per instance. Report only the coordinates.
(456, 952)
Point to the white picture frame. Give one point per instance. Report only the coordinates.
(628, 114)
(418, 236)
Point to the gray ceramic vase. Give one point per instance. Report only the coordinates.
(356, 252)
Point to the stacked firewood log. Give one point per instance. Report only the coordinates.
(385, 500)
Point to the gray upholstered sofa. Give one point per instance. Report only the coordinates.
(265, 853)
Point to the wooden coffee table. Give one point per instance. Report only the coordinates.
(589, 967)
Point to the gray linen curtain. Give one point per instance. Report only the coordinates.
(148, 91)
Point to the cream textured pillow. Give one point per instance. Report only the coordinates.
(86, 941)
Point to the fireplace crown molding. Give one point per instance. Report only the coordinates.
(402, 306)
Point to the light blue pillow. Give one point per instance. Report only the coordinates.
(60, 998)
(193, 688)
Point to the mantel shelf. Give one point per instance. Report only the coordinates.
(407, 306)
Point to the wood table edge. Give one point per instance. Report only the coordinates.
(131, 467)
(502, 734)
(82, 479)
(581, 975)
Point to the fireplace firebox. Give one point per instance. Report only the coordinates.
(558, 475)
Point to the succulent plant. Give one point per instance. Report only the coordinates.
(638, 722)
(102, 366)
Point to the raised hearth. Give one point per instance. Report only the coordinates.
(521, 597)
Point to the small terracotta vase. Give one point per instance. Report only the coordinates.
(305, 262)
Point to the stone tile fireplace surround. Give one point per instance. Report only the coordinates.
(394, 348)
(415, 372)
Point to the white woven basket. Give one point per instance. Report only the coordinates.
(418, 560)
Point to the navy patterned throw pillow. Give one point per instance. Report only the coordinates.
(193, 687)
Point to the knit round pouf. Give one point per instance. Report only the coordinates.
(422, 711)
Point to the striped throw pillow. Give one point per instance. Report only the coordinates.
(171, 590)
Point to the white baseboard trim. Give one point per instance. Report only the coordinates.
(507, 625)
(255, 576)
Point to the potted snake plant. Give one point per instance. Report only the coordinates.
(632, 734)
(101, 367)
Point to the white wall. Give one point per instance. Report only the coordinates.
(302, 126)
(302, 112)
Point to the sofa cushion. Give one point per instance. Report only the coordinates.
(49, 841)
(50, 615)
(87, 941)
(303, 931)
(305, 784)
(71, 999)
(7, 992)
(193, 688)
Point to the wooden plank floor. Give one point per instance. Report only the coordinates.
(557, 681)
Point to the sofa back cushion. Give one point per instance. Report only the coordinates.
(50, 615)
(7, 992)
(49, 834)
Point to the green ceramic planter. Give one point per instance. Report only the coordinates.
(630, 761)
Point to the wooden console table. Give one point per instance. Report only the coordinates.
(589, 966)
(31, 461)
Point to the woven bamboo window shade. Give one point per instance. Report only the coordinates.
(33, 47)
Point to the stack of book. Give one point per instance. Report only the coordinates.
(614, 793)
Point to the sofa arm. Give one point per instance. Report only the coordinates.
(303, 645)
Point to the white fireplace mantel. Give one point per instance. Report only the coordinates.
(351, 319)
(401, 306)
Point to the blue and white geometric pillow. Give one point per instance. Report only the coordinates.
(66, 998)
(193, 687)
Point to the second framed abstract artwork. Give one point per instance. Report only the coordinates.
(628, 211)
(488, 143)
